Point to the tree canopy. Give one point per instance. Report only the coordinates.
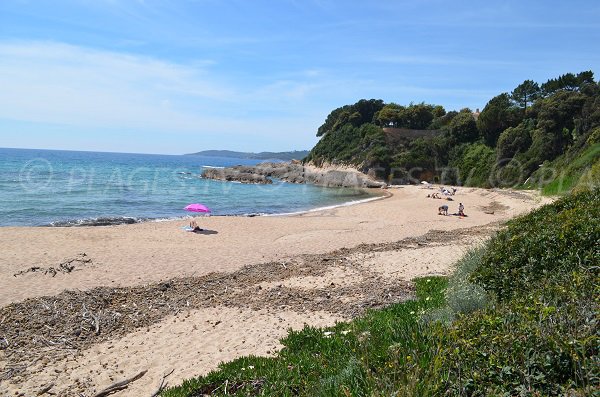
(525, 93)
(513, 136)
(498, 115)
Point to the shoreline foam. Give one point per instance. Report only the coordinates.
(128, 220)
(331, 207)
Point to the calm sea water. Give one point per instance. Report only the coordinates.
(52, 187)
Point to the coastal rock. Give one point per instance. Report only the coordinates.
(342, 178)
(235, 175)
(294, 172)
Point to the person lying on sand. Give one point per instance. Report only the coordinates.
(443, 210)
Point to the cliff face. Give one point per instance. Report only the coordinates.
(294, 172)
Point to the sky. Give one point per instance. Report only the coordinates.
(173, 77)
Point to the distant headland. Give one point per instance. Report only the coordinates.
(293, 155)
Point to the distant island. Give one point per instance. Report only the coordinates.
(293, 155)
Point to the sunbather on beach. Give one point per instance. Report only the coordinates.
(194, 226)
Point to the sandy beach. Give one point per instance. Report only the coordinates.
(153, 297)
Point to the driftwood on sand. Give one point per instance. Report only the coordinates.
(115, 387)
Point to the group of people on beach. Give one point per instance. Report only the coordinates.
(443, 209)
(437, 196)
(443, 191)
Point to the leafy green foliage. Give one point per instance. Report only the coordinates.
(568, 82)
(497, 115)
(420, 159)
(541, 338)
(463, 127)
(473, 164)
(530, 130)
(525, 93)
(415, 116)
(361, 112)
(550, 242)
(364, 146)
(576, 168)
(514, 140)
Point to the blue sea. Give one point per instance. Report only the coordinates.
(71, 188)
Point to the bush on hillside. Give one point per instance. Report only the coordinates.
(541, 337)
(473, 164)
(550, 241)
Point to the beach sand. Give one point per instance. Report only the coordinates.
(238, 287)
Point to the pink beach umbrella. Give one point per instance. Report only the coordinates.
(197, 208)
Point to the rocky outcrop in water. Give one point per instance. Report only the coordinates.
(293, 172)
(235, 175)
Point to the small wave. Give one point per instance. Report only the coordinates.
(211, 166)
(169, 219)
(329, 207)
(253, 214)
(101, 221)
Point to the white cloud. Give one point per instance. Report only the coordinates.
(87, 90)
(58, 83)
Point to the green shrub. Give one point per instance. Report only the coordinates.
(462, 296)
(474, 163)
(541, 336)
(590, 180)
(552, 240)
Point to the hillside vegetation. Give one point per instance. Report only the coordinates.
(519, 317)
(538, 135)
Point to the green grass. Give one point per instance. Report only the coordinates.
(573, 171)
(519, 317)
(561, 185)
